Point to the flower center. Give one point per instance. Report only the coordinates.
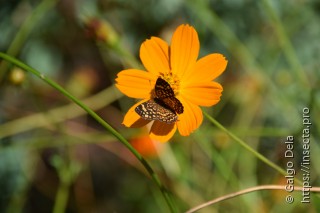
(173, 80)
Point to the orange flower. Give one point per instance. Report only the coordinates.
(189, 79)
(145, 146)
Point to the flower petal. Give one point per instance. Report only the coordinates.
(203, 94)
(132, 119)
(145, 145)
(207, 68)
(190, 119)
(154, 54)
(162, 131)
(184, 50)
(135, 83)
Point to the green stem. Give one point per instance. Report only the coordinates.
(149, 169)
(244, 145)
(68, 171)
(247, 147)
(24, 31)
(61, 197)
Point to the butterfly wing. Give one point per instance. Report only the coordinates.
(150, 110)
(163, 89)
(174, 104)
(165, 96)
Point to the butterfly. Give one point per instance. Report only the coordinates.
(164, 107)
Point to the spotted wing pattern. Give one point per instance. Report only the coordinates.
(150, 110)
(165, 95)
(164, 107)
(163, 89)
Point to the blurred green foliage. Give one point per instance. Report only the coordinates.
(272, 49)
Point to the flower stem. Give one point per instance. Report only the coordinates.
(246, 146)
(109, 128)
(246, 191)
(67, 171)
(61, 197)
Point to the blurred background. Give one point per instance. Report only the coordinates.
(55, 158)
